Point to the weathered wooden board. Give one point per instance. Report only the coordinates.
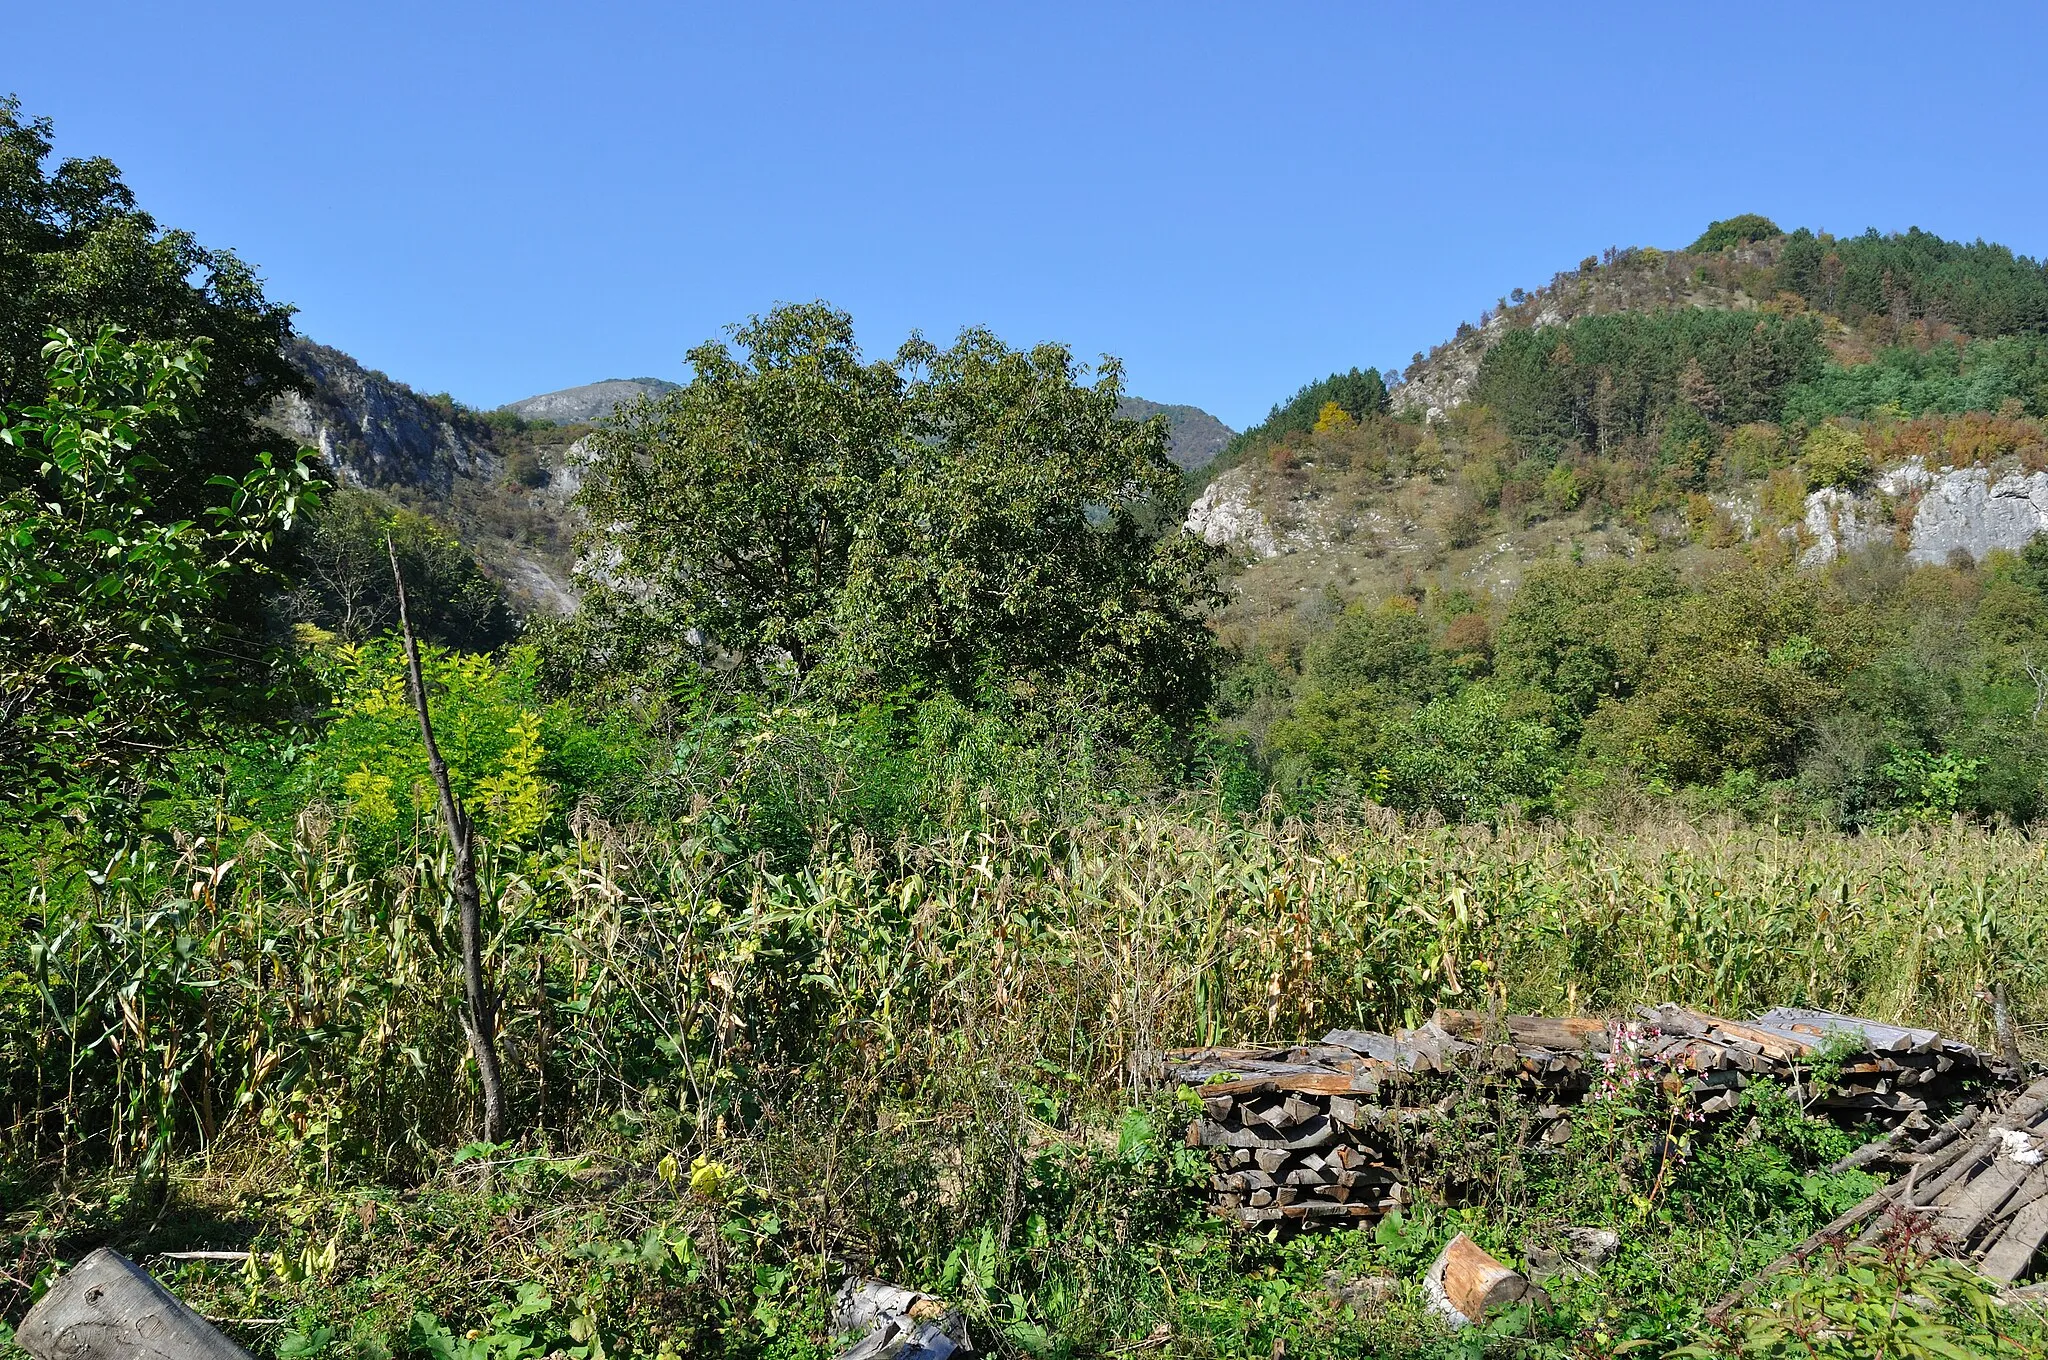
(108, 1308)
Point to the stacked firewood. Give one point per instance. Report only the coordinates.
(1324, 1132)
(1853, 1069)
(1297, 1147)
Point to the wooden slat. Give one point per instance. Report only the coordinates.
(2008, 1256)
(1981, 1199)
(1571, 1035)
(1304, 1083)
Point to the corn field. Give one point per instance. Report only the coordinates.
(224, 995)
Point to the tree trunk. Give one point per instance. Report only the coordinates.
(479, 1007)
(108, 1308)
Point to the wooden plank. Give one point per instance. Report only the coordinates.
(1379, 1047)
(2012, 1251)
(1985, 1194)
(1958, 1164)
(1321, 1083)
(1570, 1035)
(108, 1308)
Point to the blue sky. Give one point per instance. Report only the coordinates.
(502, 199)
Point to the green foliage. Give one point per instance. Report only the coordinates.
(1835, 457)
(1469, 754)
(1887, 1294)
(974, 519)
(1358, 393)
(492, 733)
(1730, 232)
(1387, 649)
(1602, 381)
(1980, 376)
(77, 253)
(343, 568)
(1929, 785)
(115, 647)
(734, 502)
(1985, 289)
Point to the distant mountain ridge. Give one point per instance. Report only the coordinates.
(1194, 437)
(589, 403)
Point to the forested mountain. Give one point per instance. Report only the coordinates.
(1767, 445)
(1194, 437)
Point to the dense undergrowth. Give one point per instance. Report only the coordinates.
(742, 1071)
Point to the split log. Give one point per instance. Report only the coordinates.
(108, 1308)
(1473, 1283)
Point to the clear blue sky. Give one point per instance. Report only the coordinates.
(502, 199)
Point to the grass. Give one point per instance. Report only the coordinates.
(737, 1081)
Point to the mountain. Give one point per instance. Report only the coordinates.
(1194, 437)
(502, 489)
(1790, 393)
(589, 403)
(502, 481)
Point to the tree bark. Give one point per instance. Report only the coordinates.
(108, 1308)
(479, 1006)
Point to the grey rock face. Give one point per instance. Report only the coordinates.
(1975, 510)
(1224, 515)
(1444, 379)
(588, 403)
(1970, 510)
(375, 432)
(381, 436)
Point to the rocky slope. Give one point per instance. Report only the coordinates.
(504, 491)
(503, 494)
(589, 403)
(1619, 281)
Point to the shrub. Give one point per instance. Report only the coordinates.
(1834, 456)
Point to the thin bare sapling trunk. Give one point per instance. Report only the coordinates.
(479, 1006)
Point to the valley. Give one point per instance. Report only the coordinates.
(889, 855)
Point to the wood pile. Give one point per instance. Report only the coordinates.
(1978, 1185)
(1868, 1070)
(1323, 1132)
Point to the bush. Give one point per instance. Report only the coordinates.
(1836, 457)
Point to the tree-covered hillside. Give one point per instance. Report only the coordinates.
(1649, 444)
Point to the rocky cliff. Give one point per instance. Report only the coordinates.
(377, 433)
(1934, 516)
(504, 494)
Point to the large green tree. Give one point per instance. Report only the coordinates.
(77, 252)
(955, 519)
